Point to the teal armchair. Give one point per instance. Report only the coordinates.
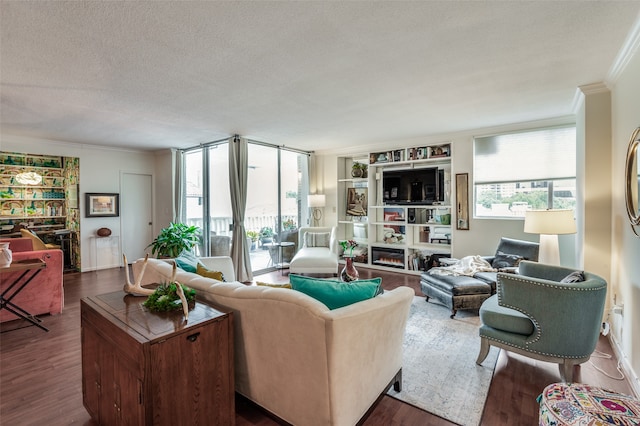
(535, 315)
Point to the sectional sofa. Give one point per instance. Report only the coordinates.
(299, 360)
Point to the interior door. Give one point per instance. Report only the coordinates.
(136, 214)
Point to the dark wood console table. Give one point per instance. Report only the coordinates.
(140, 367)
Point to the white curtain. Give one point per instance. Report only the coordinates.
(238, 166)
(178, 202)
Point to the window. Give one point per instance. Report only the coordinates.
(276, 198)
(528, 170)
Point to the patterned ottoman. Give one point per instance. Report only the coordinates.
(577, 404)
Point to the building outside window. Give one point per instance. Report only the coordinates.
(527, 170)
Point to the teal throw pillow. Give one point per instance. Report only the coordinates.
(187, 261)
(334, 293)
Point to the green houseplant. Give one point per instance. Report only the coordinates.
(266, 235)
(174, 239)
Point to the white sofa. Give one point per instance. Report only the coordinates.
(315, 260)
(296, 358)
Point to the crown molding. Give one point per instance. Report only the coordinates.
(587, 89)
(628, 49)
(594, 88)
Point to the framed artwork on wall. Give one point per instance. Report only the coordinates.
(102, 204)
(462, 201)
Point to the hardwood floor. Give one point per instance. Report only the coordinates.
(40, 373)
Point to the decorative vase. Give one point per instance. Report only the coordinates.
(356, 172)
(349, 272)
(5, 255)
(103, 232)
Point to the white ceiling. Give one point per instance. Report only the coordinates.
(309, 75)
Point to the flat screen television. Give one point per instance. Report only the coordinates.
(413, 186)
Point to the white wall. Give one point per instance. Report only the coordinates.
(99, 172)
(625, 253)
(483, 234)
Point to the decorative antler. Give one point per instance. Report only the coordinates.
(136, 289)
(183, 299)
(180, 292)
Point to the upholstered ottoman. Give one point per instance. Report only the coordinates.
(455, 291)
(578, 404)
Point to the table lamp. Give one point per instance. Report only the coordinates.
(316, 202)
(549, 224)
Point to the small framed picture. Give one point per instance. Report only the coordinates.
(102, 204)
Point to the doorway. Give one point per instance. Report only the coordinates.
(136, 218)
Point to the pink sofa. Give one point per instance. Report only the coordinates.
(43, 295)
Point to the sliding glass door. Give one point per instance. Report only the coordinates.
(277, 188)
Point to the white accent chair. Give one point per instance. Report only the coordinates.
(315, 260)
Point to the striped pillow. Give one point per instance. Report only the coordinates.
(316, 239)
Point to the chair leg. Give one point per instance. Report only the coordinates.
(397, 381)
(566, 371)
(484, 350)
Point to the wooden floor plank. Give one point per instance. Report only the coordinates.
(40, 374)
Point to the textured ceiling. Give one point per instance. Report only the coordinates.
(310, 75)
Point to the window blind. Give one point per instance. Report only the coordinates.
(534, 155)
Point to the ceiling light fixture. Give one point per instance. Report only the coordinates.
(28, 178)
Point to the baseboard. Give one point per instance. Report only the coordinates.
(631, 376)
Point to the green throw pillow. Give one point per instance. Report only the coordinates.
(334, 293)
(187, 261)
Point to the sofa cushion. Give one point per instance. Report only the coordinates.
(506, 319)
(317, 239)
(187, 261)
(334, 293)
(203, 271)
(315, 257)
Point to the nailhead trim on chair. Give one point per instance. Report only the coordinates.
(533, 351)
(535, 323)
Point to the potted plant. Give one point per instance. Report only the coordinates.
(289, 225)
(174, 239)
(266, 235)
(359, 170)
(253, 236)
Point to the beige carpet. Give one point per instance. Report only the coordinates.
(439, 371)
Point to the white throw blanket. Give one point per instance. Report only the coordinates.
(468, 265)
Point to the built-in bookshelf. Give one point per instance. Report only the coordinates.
(393, 236)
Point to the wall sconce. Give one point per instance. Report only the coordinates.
(316, 202)
(549, 224)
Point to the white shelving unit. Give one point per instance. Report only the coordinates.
(395, 237)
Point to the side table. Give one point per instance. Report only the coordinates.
(141, 367)
(279, 247)
(30, 269)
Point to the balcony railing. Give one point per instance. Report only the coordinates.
(260, 259)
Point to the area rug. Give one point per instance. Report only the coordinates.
(439, 371)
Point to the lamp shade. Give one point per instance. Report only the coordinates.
(549, 222)
(316, 200)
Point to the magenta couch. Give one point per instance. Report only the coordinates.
(45, 293)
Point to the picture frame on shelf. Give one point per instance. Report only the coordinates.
(438, 151)
(357, 202)
(99, 204)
